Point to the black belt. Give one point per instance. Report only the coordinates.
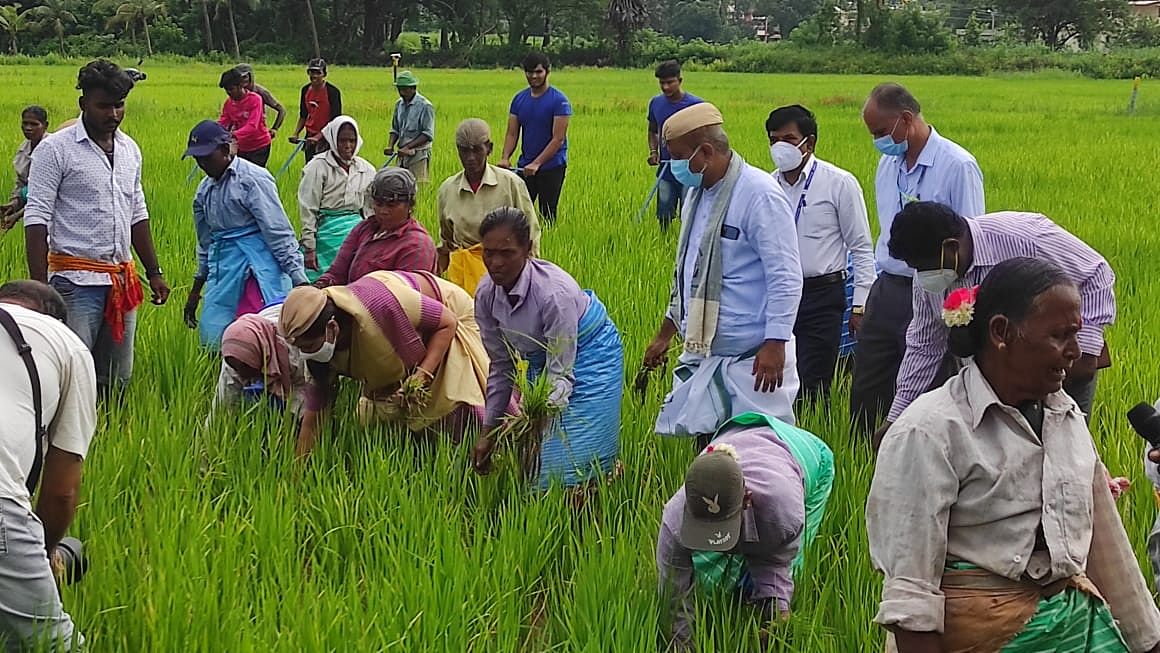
(812, 283)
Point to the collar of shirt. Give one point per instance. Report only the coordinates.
(397, 232)
(981, 396)
(81, 134)
(521, 288)
(231, 169)
(25, 148)
(927, 156)
(805, 172)
(489, 179)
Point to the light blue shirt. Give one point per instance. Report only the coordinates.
(761, 273)
(245, 196)
(944, 173)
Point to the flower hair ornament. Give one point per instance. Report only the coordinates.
(959, 307)
(726, 449)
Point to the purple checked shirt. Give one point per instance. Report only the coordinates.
(771, 532)
(542, 315)
(997, 238)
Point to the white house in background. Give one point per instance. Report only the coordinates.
(1146, 8)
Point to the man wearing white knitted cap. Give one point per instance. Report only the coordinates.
(736, 288)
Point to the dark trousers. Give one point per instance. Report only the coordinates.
(1084, 394)
(818, 334)
(257, 157)
(878, 354)
(545, 187)
(310, 149)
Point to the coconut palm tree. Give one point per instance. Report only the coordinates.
(131, 12)
(313, 28)
(625, 17)
(14, 22)
(54, 14)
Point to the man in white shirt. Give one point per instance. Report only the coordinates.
(830, 215)
(86, 215)
(916, 164)
(30, 608)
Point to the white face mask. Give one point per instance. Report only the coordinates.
(326, 351)
(786, 156)
(936, 281)
(323, 355)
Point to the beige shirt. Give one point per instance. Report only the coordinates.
(963, 477)
(462, 210)
(68, 392)
(22, 163)
(325, 185)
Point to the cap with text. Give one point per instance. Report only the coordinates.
(714, 499)
(206, 137)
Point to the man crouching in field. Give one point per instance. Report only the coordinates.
(58, 410)
(752, 502)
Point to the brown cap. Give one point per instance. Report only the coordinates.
(690, 119)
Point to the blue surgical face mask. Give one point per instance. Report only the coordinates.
(680, 170)
(886, 144)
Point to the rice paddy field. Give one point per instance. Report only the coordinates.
(218, 540)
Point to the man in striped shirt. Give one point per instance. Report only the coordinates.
(949, 252)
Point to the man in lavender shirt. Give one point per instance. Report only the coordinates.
(744, 495)
(950, 252)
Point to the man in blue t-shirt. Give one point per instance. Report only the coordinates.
(671, 100)
(539, 114)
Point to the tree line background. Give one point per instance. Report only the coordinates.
(815, 35)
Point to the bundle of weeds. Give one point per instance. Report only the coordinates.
(520, 437)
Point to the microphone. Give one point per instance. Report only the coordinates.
(1146, 422)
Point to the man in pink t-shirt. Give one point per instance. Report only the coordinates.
(244, 115)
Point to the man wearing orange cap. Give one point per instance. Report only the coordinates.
(736, 289)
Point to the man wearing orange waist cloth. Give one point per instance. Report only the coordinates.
(86, 214)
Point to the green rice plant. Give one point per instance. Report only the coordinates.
(520, 437)
(414, 395)
(219, 540)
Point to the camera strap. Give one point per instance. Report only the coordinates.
(25, 352)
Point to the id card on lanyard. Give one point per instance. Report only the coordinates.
(904, 197)
(797, 214)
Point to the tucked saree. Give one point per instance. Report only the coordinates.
(389, 313)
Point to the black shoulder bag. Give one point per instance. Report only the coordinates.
(25, 352)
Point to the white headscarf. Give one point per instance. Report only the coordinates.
(330, 133)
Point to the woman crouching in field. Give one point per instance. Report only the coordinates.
(989, 512)
(410, 338)
(257, 359)
(530, 308)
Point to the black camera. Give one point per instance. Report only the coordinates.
(70, 555)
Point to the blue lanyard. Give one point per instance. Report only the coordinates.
(904, 197)
(797, 214)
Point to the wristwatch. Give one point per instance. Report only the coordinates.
(858, 310)
(154, 273)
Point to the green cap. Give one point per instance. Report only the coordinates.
(714, 498)
(406, 79)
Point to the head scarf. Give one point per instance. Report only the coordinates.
(690, 119)
(254, 341)
(302, 307)
(393, 183)
(330, 133)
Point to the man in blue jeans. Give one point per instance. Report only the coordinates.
(671, 100)
(85, 217)
(539, 116)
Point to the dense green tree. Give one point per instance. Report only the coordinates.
(1059, 22)
(14, 22)
(54, 15)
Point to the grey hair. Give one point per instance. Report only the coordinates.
(712, 134)
(894, 97)
(472, 132)
(393, 183)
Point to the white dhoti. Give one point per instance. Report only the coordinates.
(710, 390)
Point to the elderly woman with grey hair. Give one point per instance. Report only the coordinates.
(390, 239)
(469, 195)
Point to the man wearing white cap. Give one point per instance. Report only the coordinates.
(736, 289)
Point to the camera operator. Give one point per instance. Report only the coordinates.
(31, 614)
